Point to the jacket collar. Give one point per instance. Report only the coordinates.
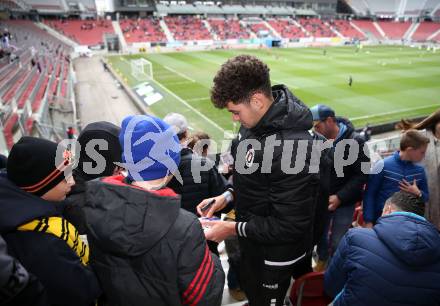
(18, 207)
(397, 158)
(119, 180)
(286, 112)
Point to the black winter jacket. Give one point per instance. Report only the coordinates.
(196, 188)
(50, 259)
(276, 206)
(349, 187)
(325, 168)
(17, 286)
(146, 250)
(73, 205)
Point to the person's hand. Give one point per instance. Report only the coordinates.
(219, 204)
(218, 230)
(368, 225)
(333, 202)
(410, 188)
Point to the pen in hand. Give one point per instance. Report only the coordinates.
(208, 205)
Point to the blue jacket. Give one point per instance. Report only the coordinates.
(384, 184)
(395, 263)
(49, 258)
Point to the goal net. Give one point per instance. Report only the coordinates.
(141, 69)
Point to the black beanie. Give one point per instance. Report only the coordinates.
(32, 165)
(100, 130)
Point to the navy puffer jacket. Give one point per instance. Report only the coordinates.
(395, 263)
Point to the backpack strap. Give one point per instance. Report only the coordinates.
(62, 229)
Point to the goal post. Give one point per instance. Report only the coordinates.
(141, 69)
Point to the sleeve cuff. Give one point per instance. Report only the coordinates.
(240, 228)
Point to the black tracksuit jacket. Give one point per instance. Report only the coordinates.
(275, 210)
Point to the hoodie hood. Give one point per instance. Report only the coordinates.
(410, 237)
(349, 128)
(18, 207)
(125, 219)
(286, 113)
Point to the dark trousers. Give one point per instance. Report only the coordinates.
(337, 225)
(267, 285)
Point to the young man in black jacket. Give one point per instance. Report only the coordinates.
(347, 183)
(274, 192)
(145, 249)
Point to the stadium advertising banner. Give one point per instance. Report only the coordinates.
(147, 93)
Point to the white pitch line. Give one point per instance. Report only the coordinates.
(284, 83)
(179, 83)
(198, 99)
(187, 105)
(179, 73)
(190, 107)
(395, 112)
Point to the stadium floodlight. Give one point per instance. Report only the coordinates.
(141, 69)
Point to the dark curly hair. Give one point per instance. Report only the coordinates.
(238, 79)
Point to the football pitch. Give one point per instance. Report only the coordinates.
(389, 82)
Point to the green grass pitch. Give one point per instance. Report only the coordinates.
(389, 82)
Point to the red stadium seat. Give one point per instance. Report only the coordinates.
(308, 290)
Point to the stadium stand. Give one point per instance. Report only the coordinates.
(187, 28)
(142, 30)
(84, 32)
(425, 30)
(287, 28)
(38, 82)
(394, 30)
(316, 27)
(436, 38)
(39, 73)
(368, 27)
(258, 27)
(346, 29)
(228, 28)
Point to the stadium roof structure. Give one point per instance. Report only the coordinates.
(395, 8)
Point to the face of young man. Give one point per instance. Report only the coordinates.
(59, 192)
(248, 114)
